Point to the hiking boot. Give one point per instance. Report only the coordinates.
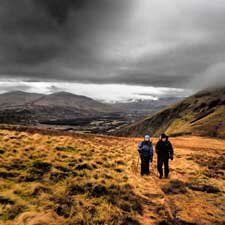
(160, 177)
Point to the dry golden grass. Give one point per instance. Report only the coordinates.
(48, 179)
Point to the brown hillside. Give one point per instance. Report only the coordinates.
(59, 179)
(201, 114)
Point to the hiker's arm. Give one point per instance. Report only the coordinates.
(139, 147)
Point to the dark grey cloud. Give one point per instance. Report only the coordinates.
(179, 43)
(37, 31)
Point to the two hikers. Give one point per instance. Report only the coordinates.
(164, 151)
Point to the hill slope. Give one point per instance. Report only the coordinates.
(201, 114)
(66, 99)
(140, 108)
(17, 98)
(55, 178)
(22, 107)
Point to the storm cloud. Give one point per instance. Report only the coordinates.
(178, 43)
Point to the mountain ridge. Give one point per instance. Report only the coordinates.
(25, 107)
(17, 98)
(200, 114)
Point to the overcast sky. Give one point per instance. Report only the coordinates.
(155, 43)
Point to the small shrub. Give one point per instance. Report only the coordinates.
(125, 206)
(63, 206)
(7, 175)
(175, 187)
(204, 188)
(189, 158)
(2, 151)
(99, 162)
(11, 212)
(66, 148)
(42, 166)
(37, 170)
(114, 194)
(63, 169)
(175, 221)
(16, 165)
(215, 166)
(120, 162)
(117, 195)
(76, 189)
(40, 189)
(58, 176)
(98, 191)
(60, 148)
(127, 220)
(14, 211)
(163, 222)
(6, 201)
(84, 166)
(119, 170)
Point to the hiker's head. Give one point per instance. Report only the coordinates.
(147, 137)
(163, 137)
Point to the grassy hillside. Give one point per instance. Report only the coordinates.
(52, 178)
(201, 114)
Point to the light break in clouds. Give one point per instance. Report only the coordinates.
(102, 92)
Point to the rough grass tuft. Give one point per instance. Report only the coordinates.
(204, 188)
(37, 170)
(174, 187)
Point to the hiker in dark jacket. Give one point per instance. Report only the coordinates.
(145, 149)
(164, 150)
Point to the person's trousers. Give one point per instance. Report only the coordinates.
(145, 165)
(163, 162)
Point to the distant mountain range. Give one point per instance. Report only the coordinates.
(201, 114)
(31, 108)
(17, 98)
(139, 108)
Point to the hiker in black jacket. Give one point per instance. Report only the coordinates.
(145, 149)
(164, 150)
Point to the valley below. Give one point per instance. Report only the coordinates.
(104, 123)
(70, 112)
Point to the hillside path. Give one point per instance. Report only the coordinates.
(159, 206)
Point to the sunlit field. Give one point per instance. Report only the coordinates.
(78, 179)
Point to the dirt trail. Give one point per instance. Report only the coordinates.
(175, 208)
(149, 188)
